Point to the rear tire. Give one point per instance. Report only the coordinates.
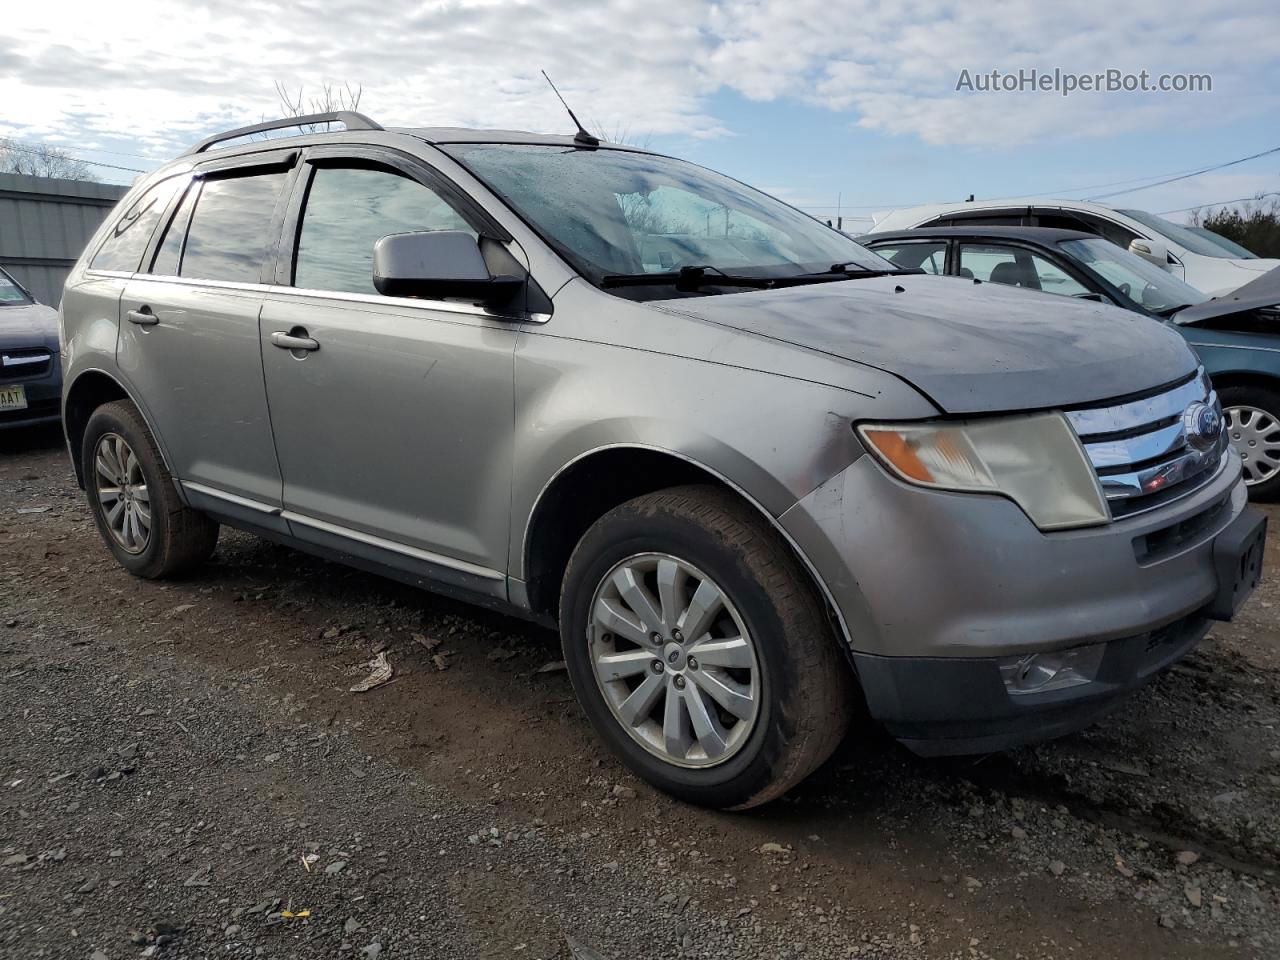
(1253, 424)
(792, 688)
(131, 495)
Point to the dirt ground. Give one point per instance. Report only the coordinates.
(184, 772)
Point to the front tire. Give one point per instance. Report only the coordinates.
(131, 495)
(1253, 423)
(700, 650)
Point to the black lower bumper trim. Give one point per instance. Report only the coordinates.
(944, 706)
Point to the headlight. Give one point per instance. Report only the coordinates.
(1036, 461)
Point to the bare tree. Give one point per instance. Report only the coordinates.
(1254, 224)
(330, 99)
(41, 160)
(621, 134)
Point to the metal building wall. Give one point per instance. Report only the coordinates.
(44, 225)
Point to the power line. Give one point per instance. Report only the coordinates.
(1171, 177)
(1218, 203)
(92, 163)
(1187, 176)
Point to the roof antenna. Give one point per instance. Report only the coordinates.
(581, 137)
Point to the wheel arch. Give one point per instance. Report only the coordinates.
(91, 388)
(596, 481)
(1245, 378)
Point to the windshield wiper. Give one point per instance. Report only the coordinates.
(855, 271)
(687, 279)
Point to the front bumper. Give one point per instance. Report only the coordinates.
(959, 705)
(936, 588)
(44, 398)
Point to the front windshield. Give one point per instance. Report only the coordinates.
(1142, 283)
(1229, 245)
(10, 292)
(1180, 235)
(615, 213)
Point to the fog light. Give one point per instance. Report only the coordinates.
(1043, 672)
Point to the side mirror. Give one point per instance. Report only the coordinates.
(444, 264)
(1151, 250)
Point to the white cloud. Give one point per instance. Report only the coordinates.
(164, 72)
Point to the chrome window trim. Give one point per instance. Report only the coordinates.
(413, 303)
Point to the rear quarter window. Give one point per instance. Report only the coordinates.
(127, 240)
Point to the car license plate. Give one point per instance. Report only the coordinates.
(1237, 554)
(13, 398)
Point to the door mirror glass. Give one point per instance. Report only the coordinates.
(442, 264)
(1153, 251)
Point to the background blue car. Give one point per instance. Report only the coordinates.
(1237, 336)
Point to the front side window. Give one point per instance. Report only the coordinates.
(1142, 283)
(1016, 267)
(128, 239)
(930, 257)
(348, 210)
(619, 214)
(229, 234)
(10, 292)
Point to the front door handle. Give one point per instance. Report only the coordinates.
(143, 317)
(296, 339)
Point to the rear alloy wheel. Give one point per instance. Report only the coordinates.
(700, 650)
(1252, 416)
(122, 491)
(144, 524)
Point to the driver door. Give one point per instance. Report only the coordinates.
(393, 423)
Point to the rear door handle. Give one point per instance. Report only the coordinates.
(143, 317)
(291, 341)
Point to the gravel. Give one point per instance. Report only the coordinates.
(184, 773)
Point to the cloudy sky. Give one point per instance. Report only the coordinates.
(818, 101)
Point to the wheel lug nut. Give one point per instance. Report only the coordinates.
(657, 666)
(677, 636)
(655, 639)
(693, 664)
(679, 682)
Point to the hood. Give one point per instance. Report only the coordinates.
(29, 325)
(1254, 295)
(970, 347)
(1260, 265)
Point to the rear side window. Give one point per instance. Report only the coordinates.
(228, 238)
(929, 257)
(128, 239)
(348, 210)
(169, 254)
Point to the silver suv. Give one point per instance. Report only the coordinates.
(756, 474)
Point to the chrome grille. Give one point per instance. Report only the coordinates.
(23, 364)
(1141, 450)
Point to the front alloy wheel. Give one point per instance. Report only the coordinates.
(700, 650)
(674, 660)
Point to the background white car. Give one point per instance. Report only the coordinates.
(1190, 256)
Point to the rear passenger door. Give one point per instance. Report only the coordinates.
(394, 429)
(189, 331)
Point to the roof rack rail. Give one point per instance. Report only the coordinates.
(351, 119)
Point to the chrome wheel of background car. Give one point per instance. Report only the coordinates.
(122, 492)
(674, 660)
(1255, 435)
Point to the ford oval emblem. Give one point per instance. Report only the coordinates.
(1202, 425)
